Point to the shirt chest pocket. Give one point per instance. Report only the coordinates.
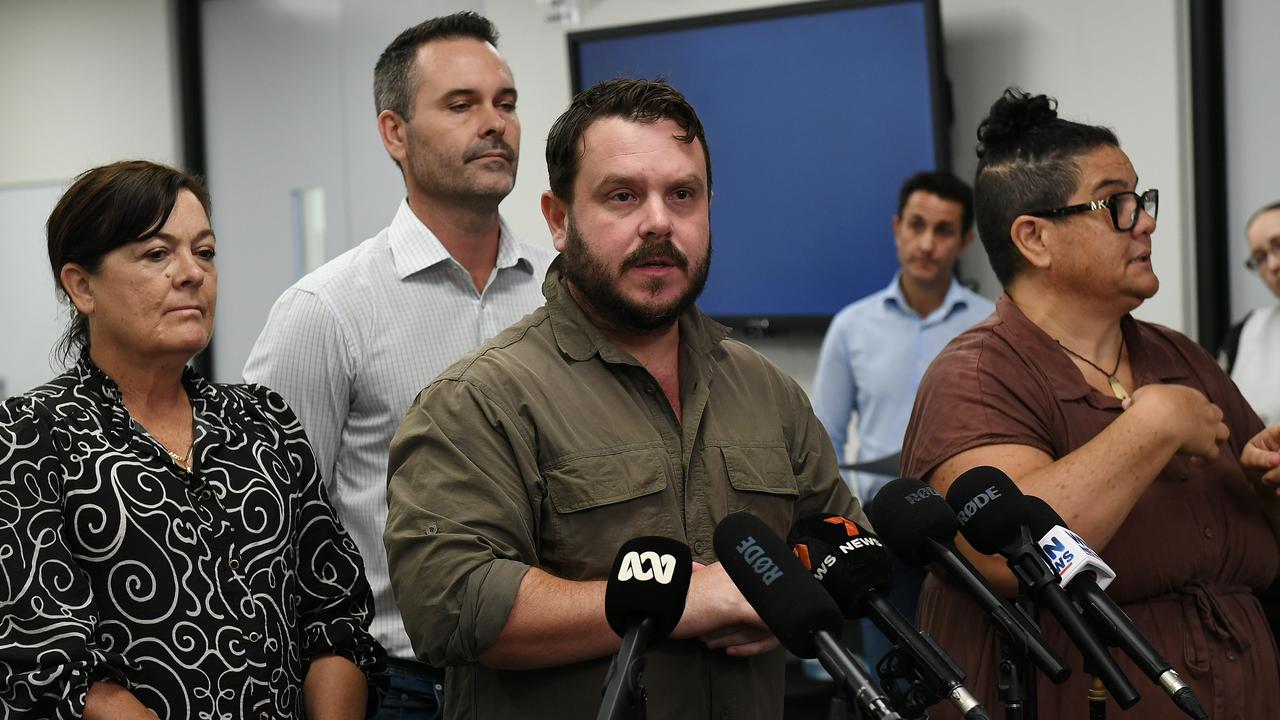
(597, 501)
(761, 481)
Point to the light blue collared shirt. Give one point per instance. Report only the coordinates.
(873, 357)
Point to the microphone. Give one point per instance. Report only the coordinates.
(919, 527)
(1085, 576)
(993, 515)
(792, 604)
(643, 602)
(853, 566)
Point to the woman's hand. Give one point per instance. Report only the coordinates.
(1261, 457)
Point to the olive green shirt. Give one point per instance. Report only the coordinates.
(550, 447)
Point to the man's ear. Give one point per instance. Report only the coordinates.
(557, 216)
(75, 282)
(392, 128)
(1029, 237)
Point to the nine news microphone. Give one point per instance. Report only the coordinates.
(643, 602)
(919, 527)
(993, 518)
(1084, 575)
(853, 566)
(792, 604)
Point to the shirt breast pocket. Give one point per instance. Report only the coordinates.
(599, 500)
(760, 482)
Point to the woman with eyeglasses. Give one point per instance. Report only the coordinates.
(166, 545)
(1251, 350)
(1129, 430)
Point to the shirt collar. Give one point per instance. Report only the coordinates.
(957, 297)
(415, 248)
(581, 340)
(207, 404)
(1150, 362)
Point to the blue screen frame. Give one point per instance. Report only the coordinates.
(814, 116)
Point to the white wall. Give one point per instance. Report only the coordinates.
(82, 83)
(1251, 57)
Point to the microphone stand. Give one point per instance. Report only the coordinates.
(1016, 680)
(627, 691)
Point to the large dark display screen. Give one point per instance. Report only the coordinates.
(814, 115)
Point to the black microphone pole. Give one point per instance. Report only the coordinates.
(627, 692)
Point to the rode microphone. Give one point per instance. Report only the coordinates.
(643, 602)
(1085, 576)
(993, 516)
(792, 604)
(919, 527)
(853, 566)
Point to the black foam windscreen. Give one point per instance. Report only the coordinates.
(789, 601)
(1041, 517)
(906, 513)
(855, 566)
(990, 508)
(649, 579)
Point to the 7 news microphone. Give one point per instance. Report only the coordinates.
(792, 604)
(853, 566)
(919, 527)
(993, 518)
(1085, 575)
(643, 601)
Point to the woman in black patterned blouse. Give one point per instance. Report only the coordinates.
(166, 544)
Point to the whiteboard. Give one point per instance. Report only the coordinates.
(31, 319)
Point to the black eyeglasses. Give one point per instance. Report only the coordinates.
(1124, 207)
(1258, 259)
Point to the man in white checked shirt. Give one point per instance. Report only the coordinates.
(350, 345)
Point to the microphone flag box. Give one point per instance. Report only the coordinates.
(1070, 555)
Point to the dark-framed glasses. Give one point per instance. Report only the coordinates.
(1124, 207)
(1255, 261)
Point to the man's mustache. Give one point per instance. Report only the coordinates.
(485, 147)
(657, 250)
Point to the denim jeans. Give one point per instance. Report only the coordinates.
(415, 691)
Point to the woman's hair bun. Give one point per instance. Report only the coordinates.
(1015, 115)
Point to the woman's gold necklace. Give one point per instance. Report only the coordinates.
(1116, 388)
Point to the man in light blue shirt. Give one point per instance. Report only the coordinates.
(877, 349)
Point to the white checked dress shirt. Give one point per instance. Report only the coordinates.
(349, 347)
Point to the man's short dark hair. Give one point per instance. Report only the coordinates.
(1026, 162)
(395, 76)
(944, 185)
(636, 100)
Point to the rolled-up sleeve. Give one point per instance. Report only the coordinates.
(49, 655)
(461, 522)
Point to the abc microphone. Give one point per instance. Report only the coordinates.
(643, 602)
(993, 517)
(919, 527)
(792, 604)
(853, 566)
(1085, 576)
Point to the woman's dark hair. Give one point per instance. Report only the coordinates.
(1026, 162)
(104, 208)
(635, 100)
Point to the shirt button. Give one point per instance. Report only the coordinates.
(698, 547)
(234, 564)
(254, 637)
(1231, 656)
(1208, 531)
(263, 716)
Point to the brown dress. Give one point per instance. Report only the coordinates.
(1188, 555)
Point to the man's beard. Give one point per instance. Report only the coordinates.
(597, 285)
(435, 172)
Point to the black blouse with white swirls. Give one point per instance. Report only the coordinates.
(206, 593)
